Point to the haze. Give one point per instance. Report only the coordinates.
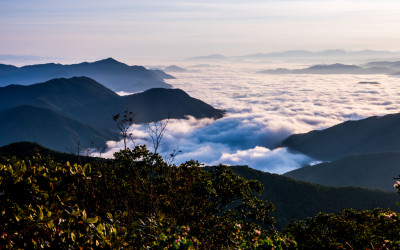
(148, 31)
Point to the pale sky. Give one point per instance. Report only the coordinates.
(143, 30)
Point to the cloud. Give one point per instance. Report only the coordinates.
(262, 111)
(230, 140)
(277, 161)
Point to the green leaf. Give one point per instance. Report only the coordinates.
(92, 220)
(100, 228)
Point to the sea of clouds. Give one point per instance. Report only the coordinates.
(261, 111)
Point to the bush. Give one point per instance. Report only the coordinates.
(135, 200)
(350, 229)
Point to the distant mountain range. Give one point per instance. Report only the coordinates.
(306, 55)
(58, 112)
(363, 153)
(336, 68)
(109, 72)
(370, 54)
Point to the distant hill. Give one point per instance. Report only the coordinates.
(50, 129)
(333, 54)
(299, 200)
(87, 101)
(331, 69)
(387, 64)
(162, 74)
(56, 112)
(174, 68)
(375, 171)
(109, 72)
(370, 135)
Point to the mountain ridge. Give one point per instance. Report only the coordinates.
(91, 104)
(110, 72)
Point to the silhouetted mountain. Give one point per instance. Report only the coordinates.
(174, 68)
(370, 135)
(299, 200)
(67, 101)
(50, 129)
(87, 101)
(79, 98)
(111, 73)
(330, 69)
(375, 171)
(156, 104)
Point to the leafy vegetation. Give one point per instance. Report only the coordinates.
(138, 200)
(135, 200)
(350, 229)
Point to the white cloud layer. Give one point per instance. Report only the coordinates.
(263, 110)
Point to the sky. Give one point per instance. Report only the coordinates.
(141, 31)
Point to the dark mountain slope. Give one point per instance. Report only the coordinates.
(375, 171)
(79, 98)
(299, 200)
(50, 129)
(111, 73)
(373, 134)
(87, 101)
(173, 103)
(23, 150)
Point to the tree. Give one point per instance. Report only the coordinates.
(156, 131)
(124, 122)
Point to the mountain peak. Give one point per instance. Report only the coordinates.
(109, 60)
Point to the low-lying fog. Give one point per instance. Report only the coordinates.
(262, 110)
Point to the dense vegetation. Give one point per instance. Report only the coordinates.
(138, 200)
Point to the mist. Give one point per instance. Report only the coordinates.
(263, 110)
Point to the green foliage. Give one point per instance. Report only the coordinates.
(350, 229)
(135, 200)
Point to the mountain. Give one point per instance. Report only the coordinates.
(299, 200)
(88, 101)
(156, 104)
(387, 64)
(80, 107)
(324, 55)
(79, 98)
(336, 68)
(50, 129)
(174, 68)
(111, 73)
(162, 74)
(370, 135)
(375, 171)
